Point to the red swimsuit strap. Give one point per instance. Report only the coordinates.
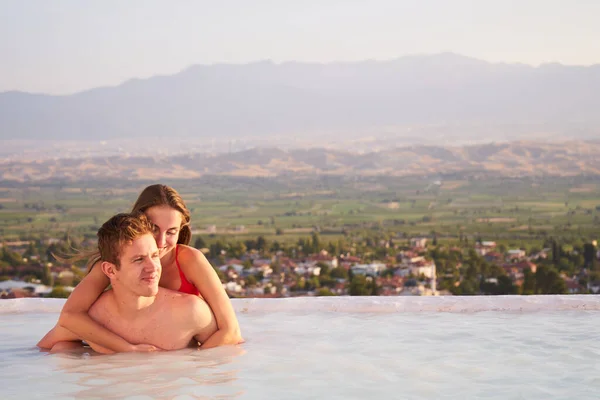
(181, 275)
(186, 286)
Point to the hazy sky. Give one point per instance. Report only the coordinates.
(63, 46)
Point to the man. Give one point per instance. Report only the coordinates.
(135, 307)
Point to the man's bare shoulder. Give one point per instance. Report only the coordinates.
(102, 305)
(183, 301)
(189, 312)
(173, 295)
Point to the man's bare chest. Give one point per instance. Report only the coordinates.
(160, 330)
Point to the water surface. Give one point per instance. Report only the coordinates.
(314, 348)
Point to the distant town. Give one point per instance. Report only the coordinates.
(397, 266)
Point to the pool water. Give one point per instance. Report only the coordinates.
(336, 348)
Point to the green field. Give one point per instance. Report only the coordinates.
(511, 210)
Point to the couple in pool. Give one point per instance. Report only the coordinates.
(164, 294)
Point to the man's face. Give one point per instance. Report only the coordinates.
(140, 267)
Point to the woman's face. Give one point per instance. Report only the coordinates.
(167, 223)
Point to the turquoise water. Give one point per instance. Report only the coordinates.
(315, 348)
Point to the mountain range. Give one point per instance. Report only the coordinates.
(513, 159)
(461, 97)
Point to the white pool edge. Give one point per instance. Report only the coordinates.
(379, 304)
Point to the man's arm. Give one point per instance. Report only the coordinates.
(62, 347)
(99, 349)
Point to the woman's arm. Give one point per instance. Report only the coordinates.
(60, 339)
(198, 270)
(74, 315)
(56, 335)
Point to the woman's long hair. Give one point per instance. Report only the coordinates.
(153, 195)
(92, 257)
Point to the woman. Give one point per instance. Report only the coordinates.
(184, 269)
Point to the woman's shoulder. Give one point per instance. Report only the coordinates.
(192, 261)
(188, 253)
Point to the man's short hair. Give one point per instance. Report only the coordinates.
(118, 231)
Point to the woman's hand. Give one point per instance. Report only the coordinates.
(223, 337)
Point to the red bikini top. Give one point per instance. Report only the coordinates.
(186, 286)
